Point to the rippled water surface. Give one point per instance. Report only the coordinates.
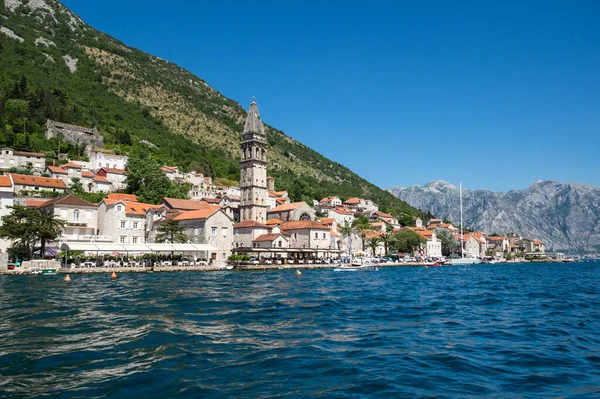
(521, 330)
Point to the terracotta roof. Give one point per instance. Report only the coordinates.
(274, 222)
(169, 169)
(69, 200)
(286, 207)
(435, 221)
(232, 197)
(87, 173)
(333, 233)
(35, 203)
(123, 197)
(5, 181)
(383, 214)
(211, 200)
(377, 224)
(249, 223)
(31, 154)
(26, 180)
(114, 171)
(197, 214)
(102, 179)
(372, 233)
(343, 211)
(139, 208)
(281, 200)
(351, 201)
(277, 193)
(496, 238)
(302, 224)
(270, 237)
(537, 242)
(57, 170)
(183, 204)
(70, 165)
(327, 220)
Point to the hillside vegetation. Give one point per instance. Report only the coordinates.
(53, 65)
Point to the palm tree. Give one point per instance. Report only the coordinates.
(346, 229)
(361, 225)
(386, 238)
(48, 227)
(373, 243)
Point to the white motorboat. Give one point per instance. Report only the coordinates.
(353, 268)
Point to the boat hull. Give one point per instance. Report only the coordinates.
(465, 261)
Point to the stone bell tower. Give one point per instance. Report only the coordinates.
(253, 168)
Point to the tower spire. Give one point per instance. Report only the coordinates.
(253, 122)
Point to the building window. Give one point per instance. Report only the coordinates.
(134, 240)
(135, 225)
(224, 231)
(123, 223)
(119, 208)
(316, 235)
(122, 239)
(76, 215)
(279, 243)
(223, 256)
(214, 231)
(196, 231)
(324, 236)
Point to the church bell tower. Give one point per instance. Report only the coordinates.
(253, 168)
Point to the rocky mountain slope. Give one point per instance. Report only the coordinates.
(566, 216)
(135, 98)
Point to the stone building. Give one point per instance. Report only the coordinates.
(125, 221)
(292, 211)
(253, 168)
(81, 218)
(6, 201)
(10, 158)
(34, 184)
(74, 134)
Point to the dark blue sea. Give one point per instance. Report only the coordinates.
(517, 331)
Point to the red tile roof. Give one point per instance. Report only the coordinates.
(70, 165)
(197, 214)
(46, 182)
(31, 154)
(302, 224)
(35, 203)
(69, 200)
(5, 181)
(57, 170)
(139, 208)
(211, 200)
(187, 205)
(274, 222)
(351, 201)
(87, 174)
(114, 171)
(123, 197)
(249, 223)
(270, 237)
(327, 221)
(286, 207)
(101, 179)
(342, 211)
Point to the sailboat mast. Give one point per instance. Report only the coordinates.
(462, 244)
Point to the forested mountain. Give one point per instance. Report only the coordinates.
(566, 216)
(53, 65)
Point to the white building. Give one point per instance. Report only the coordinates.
(35, 184)
(6, 201)
(125, 221)
(341, 215)
(81, 218)
(115, 176)
(100, 160)
(20, 159)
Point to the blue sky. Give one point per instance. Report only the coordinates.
(497, 94)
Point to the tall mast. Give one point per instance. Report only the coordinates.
(462, 244)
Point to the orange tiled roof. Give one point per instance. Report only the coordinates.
(342, 211)
(139, 208)
(87, 173)
(211, 200)
(537, 242)
(114, 171)
(281, 200)
(70, 165)
(5, 181)
(351, 201)
(383, 214)
(187, 205)
(327, 221)
(302, 224)
(31, 154)
(57, 170)
(377, 224)
(197, 214)
(70, 200)
(274, 222)
(47, 182)
(270, 237)
(123, 197)
(249, 223)
(286, 207)
(496, 238)
(101, 179)
(35, 203)
(333, 233)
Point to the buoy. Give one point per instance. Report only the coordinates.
(67, 279)
(113, 275)
(298, 272)
(376, 269)
(426, 267)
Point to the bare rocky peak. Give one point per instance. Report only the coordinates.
(45, 11)
(563, 215)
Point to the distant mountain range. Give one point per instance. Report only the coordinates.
(566, 216)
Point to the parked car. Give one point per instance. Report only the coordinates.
(11, 266)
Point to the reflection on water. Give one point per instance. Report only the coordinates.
(498, 330)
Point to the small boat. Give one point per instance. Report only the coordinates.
(352, 268)
(432, 264)
(48, 272)
(35, 271)
(226, 267)
(569, 260)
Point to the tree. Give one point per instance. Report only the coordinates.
(149, 182)
(172, 232)
(347, 230)
(17, 112)
(361, 225)
(373, 243)
(48, 227)
(407, 241)
(386, 238)
(76, 187)
(448, 241)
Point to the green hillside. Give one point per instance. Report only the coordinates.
(131, 96)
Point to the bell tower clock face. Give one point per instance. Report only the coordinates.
(305, 216)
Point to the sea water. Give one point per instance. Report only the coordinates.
(506, 330)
